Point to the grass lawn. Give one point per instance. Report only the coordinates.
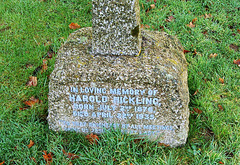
(33, 30)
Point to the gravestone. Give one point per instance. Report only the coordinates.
(96, 87)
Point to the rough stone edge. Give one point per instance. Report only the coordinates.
(184, 74)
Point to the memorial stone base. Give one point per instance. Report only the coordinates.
(145, 95)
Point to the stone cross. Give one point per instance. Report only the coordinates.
(116, 27)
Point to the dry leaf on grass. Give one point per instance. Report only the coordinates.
(48, 157)
(195, 52)
(237, 62)
(70, 155)
(147, 26)
(152, 6)
(74, 26)
(194, 20)
(50, 54)
(186, 51)
(212, 55)
(47, 43)
(234, 47)
(139, 140)
(35, 161)
(2, 163)
(191, 25)
(44, 66)
(32, 101)
(195, 92)
(92, 138)
(170, 18)
(163, 144)
(197, 110)
(32, 81)
(30, 144)
(221, 80)
(220, 107)
(207, 15)
(24, 108)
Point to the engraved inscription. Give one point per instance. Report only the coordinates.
(114, 104)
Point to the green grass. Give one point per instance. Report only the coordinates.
(27, 25)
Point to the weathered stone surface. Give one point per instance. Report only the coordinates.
(146, 95)
(116, 27)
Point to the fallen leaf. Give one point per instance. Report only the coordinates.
(74, 26)
(35, 161)
(204, 32)
(221, 80)
(131, 164)
(47, 43)
(6, 28)
(161, 27)
(238, 30)
(48, 157)
(29, 65)
(32, 81)
(197, 110)
(146, 11)
(32, 101)
(50, 54)
(92, 138)
(207, 15)
(186, 51)
(30, 144)
(70, 155)
(2, 163)
(213, 55)
(195, 52)
(139, 140)
(162, 144)
(220, 107)
(170, 18)
(195, 92)
(237, 62)
(234, 47)
(44, 66)
(24, 108)
(194, 20)
(220, 162)
(191, 25)
(147, 26)
(152, 6)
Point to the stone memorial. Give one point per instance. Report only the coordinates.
(115, 75)
(116, 27)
